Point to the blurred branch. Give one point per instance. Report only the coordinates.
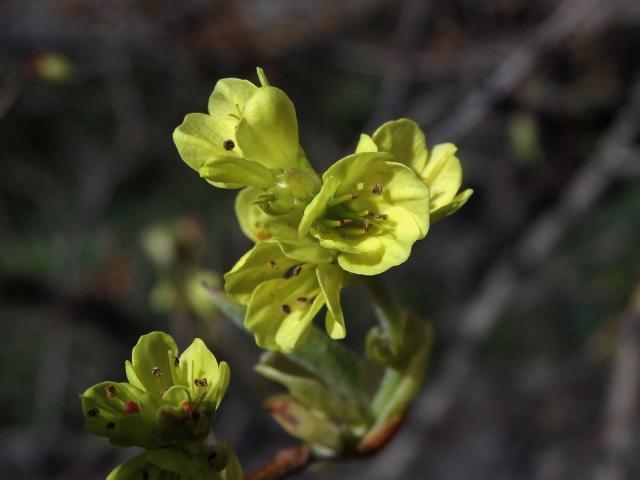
(622, 401)
(483, 311)
(568, 17)
(400, 67)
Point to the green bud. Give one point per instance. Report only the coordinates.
(304, 183)
(304, 423)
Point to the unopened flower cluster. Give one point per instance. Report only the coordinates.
(313, 232)
(166, 407)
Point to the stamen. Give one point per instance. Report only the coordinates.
(360, 186)
(331, 223)
(342, 198)
(273, 264)
(93, 412)
(302, 299)
(156, 372)
(228, 145)
(345, 221)
(366, 225)
(186, 406)
(296, 270)
(377, 189)
(354, 231)
(176, 362)
(201, 382)
(285, 308)
(380, 216)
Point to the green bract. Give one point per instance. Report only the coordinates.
(196, 463)
(168, 398)
(285, 284)
(370, 210)
(439, 169)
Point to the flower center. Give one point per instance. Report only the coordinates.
(343, 212)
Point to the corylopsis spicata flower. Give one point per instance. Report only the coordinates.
(439, 168)
(249, 138)
(370, 210)
(284, 286)
(167, 399)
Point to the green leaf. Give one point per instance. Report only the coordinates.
(303, 423)
(401, 383)
(308, 389)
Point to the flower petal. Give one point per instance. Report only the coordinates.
(455, 204)
(405, 140)
(281, 310)
(258, 225)
(150, 362)
(198, 139)
(199, 372)
(265, 261)
(268, 131)
(318, 206)
(331, 280)
(121, 412)
(442, 174)
(234, 172)
(366, 144)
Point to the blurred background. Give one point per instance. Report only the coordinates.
(532, 286)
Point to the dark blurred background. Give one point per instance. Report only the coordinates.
(532, 286)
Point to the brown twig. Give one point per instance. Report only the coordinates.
(569, 16)
(296, 459)
(622, 402)
(286, 463)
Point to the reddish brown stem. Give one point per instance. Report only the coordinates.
(286, 463)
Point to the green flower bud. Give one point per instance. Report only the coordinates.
(168, 399)
(303, 183)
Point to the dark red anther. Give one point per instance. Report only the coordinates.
(228, 145)
(296, 270)
(131, 407)
(186, 406)
(285, 309)
(93, 412)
